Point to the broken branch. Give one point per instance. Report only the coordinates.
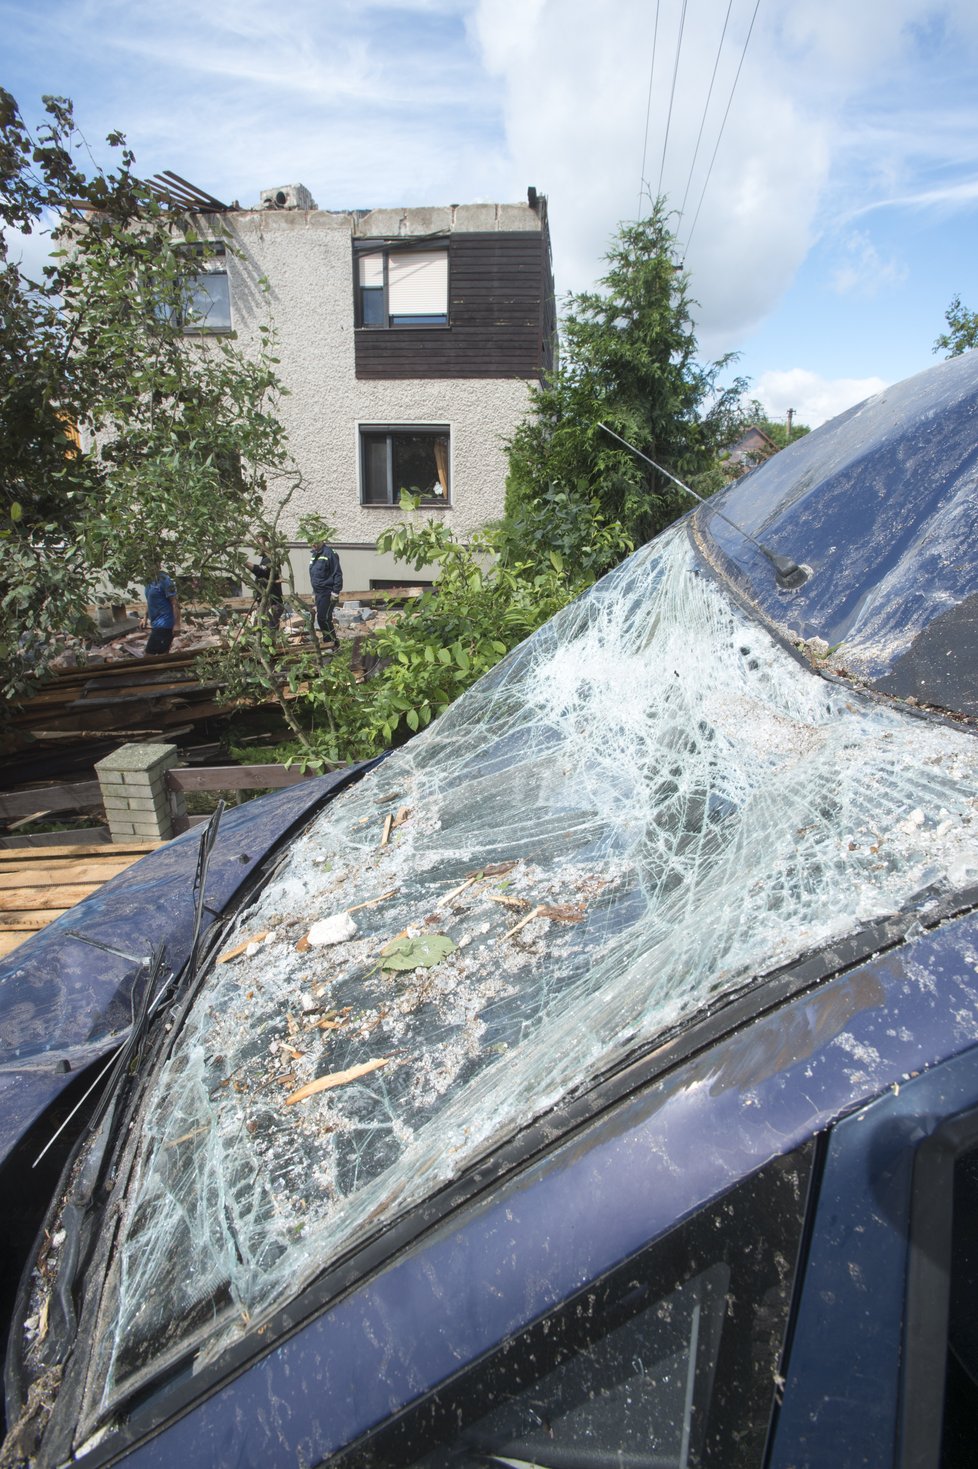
(335, 1078)
(256, 938)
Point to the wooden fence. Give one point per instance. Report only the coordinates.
(21, 808)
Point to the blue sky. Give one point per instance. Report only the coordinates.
(824, 156)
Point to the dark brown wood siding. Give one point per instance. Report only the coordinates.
(500, 293)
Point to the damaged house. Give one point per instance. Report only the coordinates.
(408, 341)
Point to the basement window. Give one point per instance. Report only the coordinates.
(402, 288)
(405, 458)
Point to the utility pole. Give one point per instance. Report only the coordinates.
(791, 414)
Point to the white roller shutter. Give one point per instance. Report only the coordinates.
(418, 283)
(372, 270)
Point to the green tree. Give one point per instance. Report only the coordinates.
(962, 333)
(630, 362)
(124, 443)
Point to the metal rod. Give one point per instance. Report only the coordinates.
(788, 572)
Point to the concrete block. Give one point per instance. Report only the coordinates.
(148, 831)
(139, 757)
(143, 803)
(114, 807)
(135, 791)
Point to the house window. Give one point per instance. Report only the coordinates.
(203, 291)
(405, 457)
(402, 288)
(207, 305)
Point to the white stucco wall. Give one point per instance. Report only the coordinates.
(306, 258)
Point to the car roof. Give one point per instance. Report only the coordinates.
(882, 504)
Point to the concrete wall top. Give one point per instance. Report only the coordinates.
(407, 223)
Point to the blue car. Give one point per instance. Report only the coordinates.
(592, 1082)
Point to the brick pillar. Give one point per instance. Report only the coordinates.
(138, 803)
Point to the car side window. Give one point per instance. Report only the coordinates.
(960, 1425)
(939, 1409)
(670, 1361)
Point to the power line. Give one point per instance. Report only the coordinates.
(648, 111)
(672, 95)
(723, 124)
(706, 108)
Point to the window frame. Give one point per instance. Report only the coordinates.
(201, 256)
(742, 1390)
(194, 328)
(434, 321)
(929, 1279)
(370, 430)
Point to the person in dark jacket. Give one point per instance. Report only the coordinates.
(274, 601)
(326, 576)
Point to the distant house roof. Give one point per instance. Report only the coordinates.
(753, 446)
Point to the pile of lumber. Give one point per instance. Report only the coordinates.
(144, 697)
(82, 714)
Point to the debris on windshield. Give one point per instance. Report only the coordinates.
(241, 947)
(338, 929)
(336, 1078)
(424, 951)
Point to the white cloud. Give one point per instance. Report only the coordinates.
(815, 131)
(865, 270)
(949, 196)
(815, 399)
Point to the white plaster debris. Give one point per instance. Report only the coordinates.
(685, 804)
(337, 929)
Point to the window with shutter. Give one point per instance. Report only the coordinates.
(402, 287)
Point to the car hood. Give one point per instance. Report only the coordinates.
(881, 504)
(67, 994)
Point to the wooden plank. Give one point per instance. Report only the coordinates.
(92, 849)
(10, 941)
(23, 842)
(64, 896)
(48, 874)
(51, 798)
(27, 820)
(236, 777)
(29, 920)
(137, 693)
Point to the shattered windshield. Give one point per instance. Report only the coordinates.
(643, 808)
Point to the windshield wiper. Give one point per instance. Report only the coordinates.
(152, 997)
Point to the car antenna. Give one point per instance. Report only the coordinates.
(788, 574)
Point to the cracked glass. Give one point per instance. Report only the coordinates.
(642, 809)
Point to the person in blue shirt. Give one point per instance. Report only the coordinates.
(326, 577)
(162, 613)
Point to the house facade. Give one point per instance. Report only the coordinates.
(408, 340)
